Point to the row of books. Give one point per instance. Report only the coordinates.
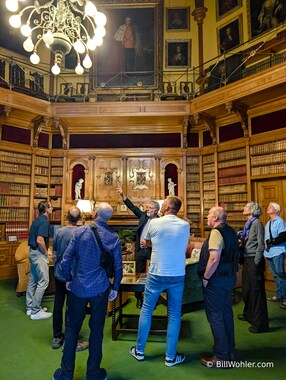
(193, 160)
(41, 192)
(9, 167)
(10, 214)
(237, 197)
(231, 154)
(56, 180)
(21, 229)
(41, 179)
(18, 158)
(270, 169)
(230, 180)
(207, 168)
(20, 178)
(41, 170)
(56, 191)
(57, 171)
(238, 188)
(14, 201)
(193, 186)
(57, 161)
(42, 161)
(14, 188)
(209, 176)
(209, 158)
(270, 147)
(228, 164)
(267, 159)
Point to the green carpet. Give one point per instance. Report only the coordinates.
(26, 352)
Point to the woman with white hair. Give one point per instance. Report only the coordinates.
(253, 281)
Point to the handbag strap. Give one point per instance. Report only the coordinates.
(97, 237)
(270, 234)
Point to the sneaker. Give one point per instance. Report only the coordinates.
(41, 315)
(81, 346)
(137, 355)
(29, 311)
(179, 358)
(57, 343)
(59, 375)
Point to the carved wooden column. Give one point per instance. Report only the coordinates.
(91, 187)
(199, 14)
(158, 194)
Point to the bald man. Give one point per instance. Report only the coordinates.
(218, 267)
(89, 284)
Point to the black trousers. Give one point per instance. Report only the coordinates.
(253, 293)
(60, 297)
(141, 258)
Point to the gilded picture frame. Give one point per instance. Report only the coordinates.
(225, 7)
(178, 54)
(178, 19)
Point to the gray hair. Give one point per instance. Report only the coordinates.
(155, 204)
(254, 208)
(219, 212)
(103, 211)
(276, 207)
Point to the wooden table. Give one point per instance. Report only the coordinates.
(120, 319)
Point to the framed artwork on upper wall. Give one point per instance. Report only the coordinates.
(229, 35)
(132, 48)
(178, 19)
(225, 7)
(264, 15)
(178, 53)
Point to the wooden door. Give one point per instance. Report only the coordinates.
(267, 191)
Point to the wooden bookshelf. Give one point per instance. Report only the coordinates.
(268, 158)
(56, 187)
(15, 178)
(193, 193)
(208, 187)
(232, 184)
(41, 179)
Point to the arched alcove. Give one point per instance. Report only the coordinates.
(171, 176)
(78, 172)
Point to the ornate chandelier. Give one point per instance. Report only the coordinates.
(62, 25)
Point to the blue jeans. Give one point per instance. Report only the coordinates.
(218, 308)
(38, 281)
(155, 285)
(276, 266)
(75, 315)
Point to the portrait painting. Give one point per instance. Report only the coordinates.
(265, 15)
(178, 19)
(178, 53)
(132, 47)
(225, 7)
(229, 36)
(129, 268)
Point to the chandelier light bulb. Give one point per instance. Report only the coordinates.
(79, 70)
(79, 47)
(90, 9)
(87, 62)
(28, 44)
(100, 19)
(91, 44)
(26, 30)
(48, 38)
(12, 5)
(34, 58)
(56, 69)
(100, 31)
(99, 40)
(15, 21)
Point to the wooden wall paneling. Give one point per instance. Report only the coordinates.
(108, 174)
(141, 179)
